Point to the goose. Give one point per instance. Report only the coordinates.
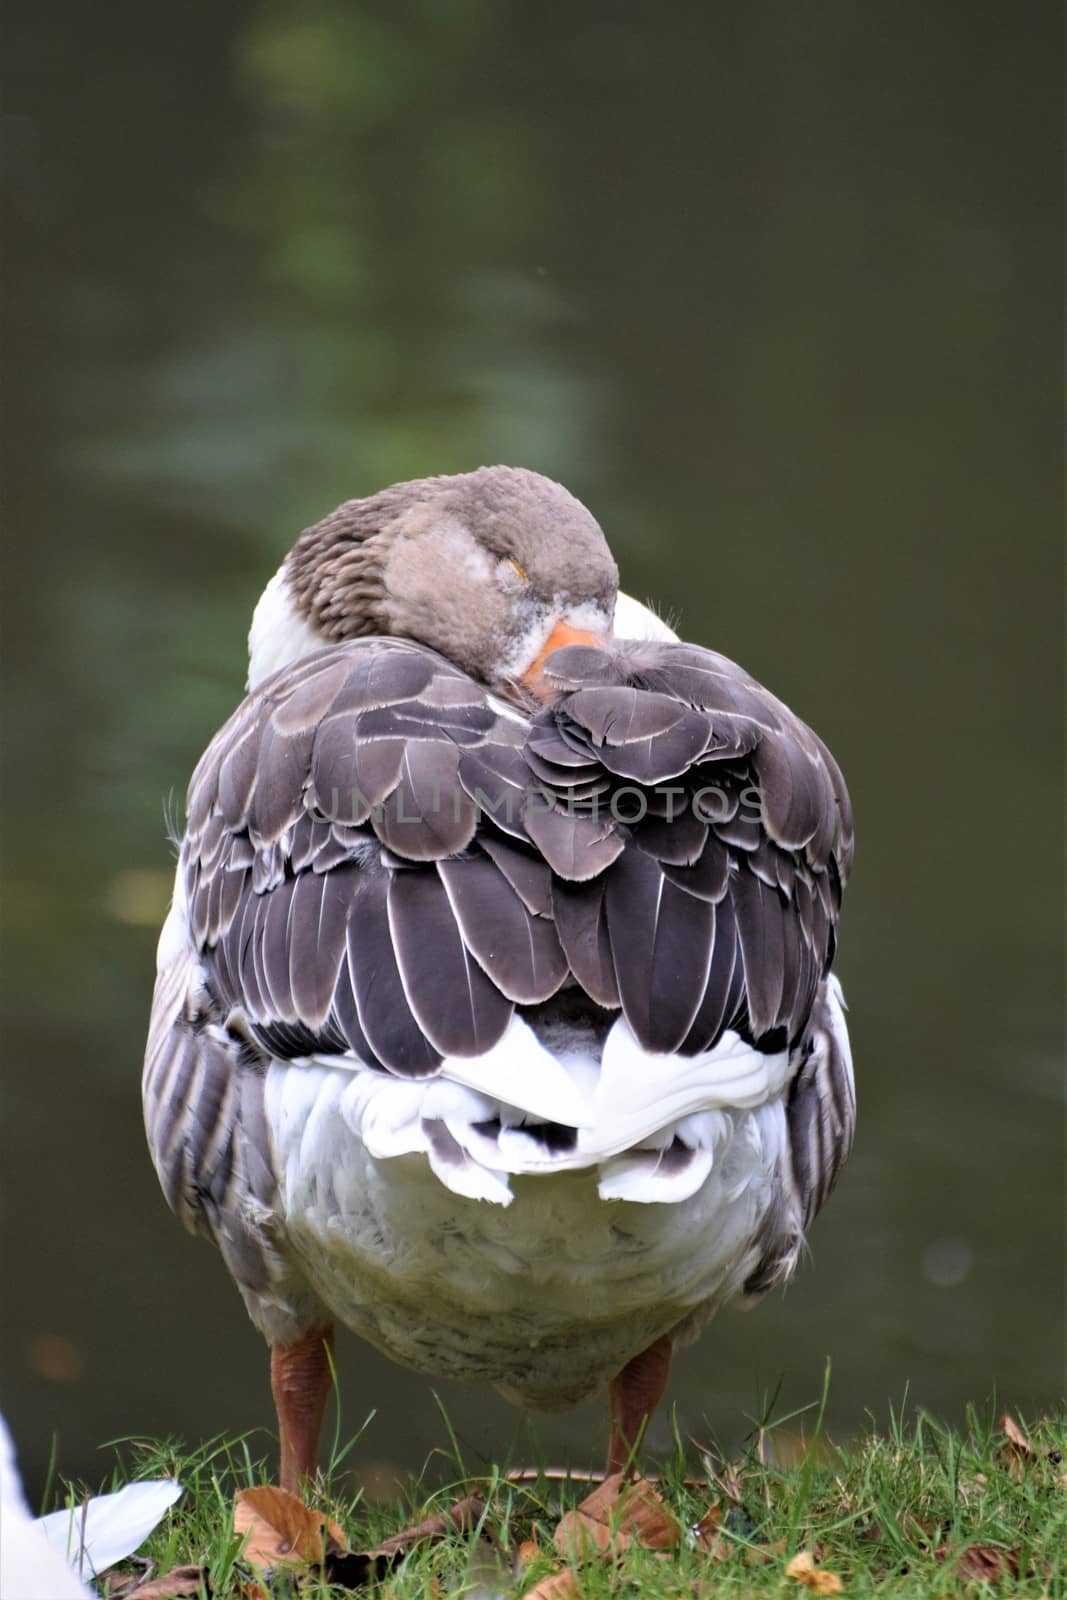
(494, 1017)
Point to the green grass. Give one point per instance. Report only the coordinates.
(888, 1514)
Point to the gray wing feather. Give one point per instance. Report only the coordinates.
(377, 859)
(458, 1008)
(517, 949)
(724, 992)
(760, 818)
(661, 941)
(204, 1117)
(509, 841)
(821, 1121)
(385, 1015)
(822, 1108)
(582, 924)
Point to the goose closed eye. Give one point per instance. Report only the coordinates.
(508, 570)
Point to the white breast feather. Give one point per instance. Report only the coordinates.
(278, 635)
(635, 621)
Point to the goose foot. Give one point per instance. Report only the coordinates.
(300, 1377)
(633, 1397)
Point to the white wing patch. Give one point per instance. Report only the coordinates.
(650, 1123)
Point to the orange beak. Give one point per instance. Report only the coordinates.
(562, 634)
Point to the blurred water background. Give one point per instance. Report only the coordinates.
(776, 290)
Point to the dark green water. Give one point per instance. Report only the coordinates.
(776, 290)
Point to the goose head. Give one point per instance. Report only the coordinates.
(494, 569)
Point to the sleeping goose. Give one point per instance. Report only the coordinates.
(494, 1016)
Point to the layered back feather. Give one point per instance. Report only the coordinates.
(383, 858)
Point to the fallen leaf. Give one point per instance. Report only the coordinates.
(280, 1528)
(803, 1570)
(173, 1585)
(985, 1563)
(1016, 1452)
(1015, 1436)
(118, 1582)
(708, 1535)
(616, 1515)
(557, 1586)
(528, 1552)
(825, 1583)
(579, 1537)
(466, 1513)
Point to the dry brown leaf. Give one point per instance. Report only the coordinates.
(708, 1533)
(803, 1570)
(1015, 1436)
(1016, 1452)
(578, 1537)
(120, 1581)
(173, 1585)
(281, 1529)
(557, 1586)
(464, 1514)
(985, 1563)
(617, 1514)
(528, 1552)
(822, 1582)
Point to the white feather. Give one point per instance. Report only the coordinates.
(109, 1527)
(520, 1072)
(638, 1092)
(635, 621)
(636, 1176)
(629, 1098)
(29, 1568)
(278, 635)
(471, 1180)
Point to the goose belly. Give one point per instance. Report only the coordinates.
(545, 1295)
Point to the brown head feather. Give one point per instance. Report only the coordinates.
(472, 565)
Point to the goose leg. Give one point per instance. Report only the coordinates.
(633, 1397)
(300, 1384)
